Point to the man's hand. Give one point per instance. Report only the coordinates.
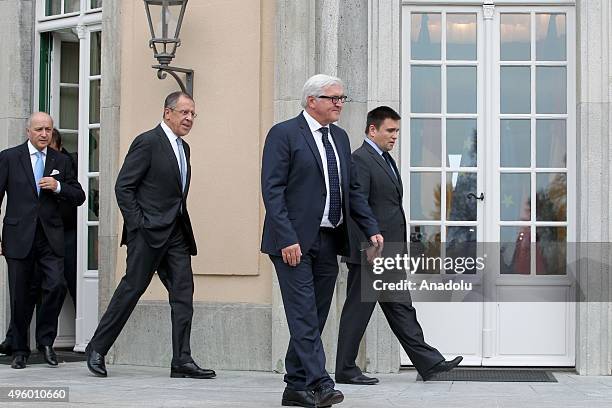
(375, 250)
(48, 183)
(292, 254)
(377, 240)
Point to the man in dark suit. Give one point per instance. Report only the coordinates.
(306, 188)
(36, 180)
(151, 190)
(379, 179)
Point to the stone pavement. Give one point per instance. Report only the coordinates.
(136, 386)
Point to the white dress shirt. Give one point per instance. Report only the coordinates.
(318, 138)
(33, 160)
(172, 138)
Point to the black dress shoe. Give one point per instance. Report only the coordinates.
(48, 354)
(6, 348)
(326, 395)
(191, 370)
(359, 380)
(95, 362)
(442, 367)
(19, 361)
(293, 398)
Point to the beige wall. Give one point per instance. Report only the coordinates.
(229, 45)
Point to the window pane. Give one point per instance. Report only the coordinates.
(53, 7)
(515, 37)
(94, 53)
(515, 250)
(515, 90)
(461, 37)
(69, 70)
(69, 108)
(551, 143)
(551, 90)
(458, 206)
(425, 36)
(425, 196)
(92, 248)
(515, 197)
(461, 245)
(96, 4)
(72, 6)
(515, 149)
(550, 37)
(70, 142)
(425, 142)
(425, 239)
(551, 251)
(461, 92)
(461, 143)
(93, 200)
(94, 101)
(426, 89)
(551, 196)
(94, 150)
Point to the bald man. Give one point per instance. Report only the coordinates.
(35, 179)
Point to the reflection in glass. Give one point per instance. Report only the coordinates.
(94, 101)
(551, 90)
(515, 197)
(53, 7)
(461, 92)
(93, 199)
(94, 150)
(92, 248)
(551, 143)
(551, 196)
(94, 53)
(458, 206)
(515, 149)
(425, 196)
(70, 141)
(426, 89)
(461, 37)
(515, 34)
(515, 250)
(425, 142)
(69, 67)
(71, 6)
(461, 245)
(425, 36)
(69, 108)
(425, 241)
(515, 90)
(96, 4)
(550, 37)
(551, 250)
(461, 143)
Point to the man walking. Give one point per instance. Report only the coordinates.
(151, 190)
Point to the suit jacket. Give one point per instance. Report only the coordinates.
(25, 207)
(149, 191)
(293, 188)
(68, 211)
(384, 193)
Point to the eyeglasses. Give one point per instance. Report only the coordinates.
(185, 113)
(334, 99)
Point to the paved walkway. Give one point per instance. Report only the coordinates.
(134, 386)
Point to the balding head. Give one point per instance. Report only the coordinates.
(40, 129)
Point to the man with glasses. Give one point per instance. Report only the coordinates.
(306, 188)
(151, 190)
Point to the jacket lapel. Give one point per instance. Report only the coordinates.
(187, 159)
(169, 154)
(305, 130)
(340, 148)
(382, 163)
(49, 162)
(24, 157)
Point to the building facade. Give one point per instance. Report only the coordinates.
(510, 99)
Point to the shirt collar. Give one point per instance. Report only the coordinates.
(33, 150)
(312, 122)
(169, 133)
(374, 145)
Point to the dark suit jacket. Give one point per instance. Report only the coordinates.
(293, 187)
(148, 190)
(384, 193)
(24, 206)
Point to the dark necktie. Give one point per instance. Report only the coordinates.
(389, 161)
(334, 180)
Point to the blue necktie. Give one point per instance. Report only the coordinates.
(334, 180)
(39, 169)
(183, 162)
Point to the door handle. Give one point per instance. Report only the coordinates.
(472, 195)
